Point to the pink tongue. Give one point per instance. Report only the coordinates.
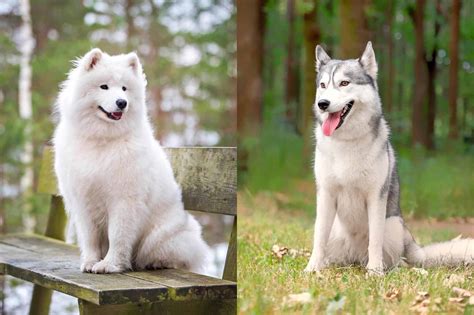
(331, 123)
(117, 115)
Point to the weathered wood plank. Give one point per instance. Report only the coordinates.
(188, 285)
(230, 268)
(207, 176)
(55, 265)
(41, 297)
(206, 307)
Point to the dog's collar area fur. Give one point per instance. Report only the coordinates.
(113, 116)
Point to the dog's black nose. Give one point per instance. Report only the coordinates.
(323, 104)
(121, 103)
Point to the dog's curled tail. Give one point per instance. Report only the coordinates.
(457, 252)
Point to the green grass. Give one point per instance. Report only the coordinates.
(265, 282)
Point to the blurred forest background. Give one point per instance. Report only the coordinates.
(188, 51)
(188, 54)
(425, 52)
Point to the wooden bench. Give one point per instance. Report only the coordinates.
(208, 178)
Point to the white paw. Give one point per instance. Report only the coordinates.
(375, 270)
(87, 265)
(105, 266)
(313, 267)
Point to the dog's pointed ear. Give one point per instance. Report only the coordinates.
(133, 62)
(368, 62)
(322, 57)
(92, 58)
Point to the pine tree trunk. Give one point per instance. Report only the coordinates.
(250, 51)
(311, 38)
(291, 91)
(391, 72)
(354, 28)
(420, 87)
(432, 72)
(453, 68)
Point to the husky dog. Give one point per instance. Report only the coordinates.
(358, 194)
(118, 186)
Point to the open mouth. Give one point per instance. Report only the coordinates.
(112, 115)
(335, 120)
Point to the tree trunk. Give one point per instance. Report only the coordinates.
(130, 25)
(432, 71)
(250, 52)
(354, 28)
(453, 68)
(420, 87)
(291, 91)
(311, 38)
(391, 72)
(26, 47)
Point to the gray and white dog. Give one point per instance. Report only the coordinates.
(358, 195)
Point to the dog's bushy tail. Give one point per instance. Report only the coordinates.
(457, 252)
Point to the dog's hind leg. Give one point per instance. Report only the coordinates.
(393, 244)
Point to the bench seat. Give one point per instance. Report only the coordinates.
(55, 265)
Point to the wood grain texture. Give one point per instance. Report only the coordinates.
(55, 265)
(207, 176)
(230, 268)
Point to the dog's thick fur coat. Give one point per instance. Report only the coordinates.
(116, 180)
(358, 210)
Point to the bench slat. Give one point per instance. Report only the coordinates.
(55, 265)
(207, 176)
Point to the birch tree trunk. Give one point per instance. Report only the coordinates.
(24, 102)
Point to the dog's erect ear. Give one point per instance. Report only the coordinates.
(91, 59)
(134, 62)
(322, 57)
(368, 62)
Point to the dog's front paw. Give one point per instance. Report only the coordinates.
(105, 266)
(375, 270)
(313, 266)
(87, 265)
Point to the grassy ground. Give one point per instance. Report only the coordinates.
(266, 282)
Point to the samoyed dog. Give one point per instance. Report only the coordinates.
(117, 183)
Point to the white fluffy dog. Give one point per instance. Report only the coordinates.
(116, 180)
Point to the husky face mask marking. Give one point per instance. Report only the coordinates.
(342, 87)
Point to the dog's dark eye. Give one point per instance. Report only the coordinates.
(104, 87)
(323, 85)
(124, 88)
(344, 83)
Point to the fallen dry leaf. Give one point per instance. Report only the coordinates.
(471, 300)
(421, 304)
(458, 300)
(462, 293)
(453, 279)
(299, 252)
(393, 294)
(279, 251)
(300, 298)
